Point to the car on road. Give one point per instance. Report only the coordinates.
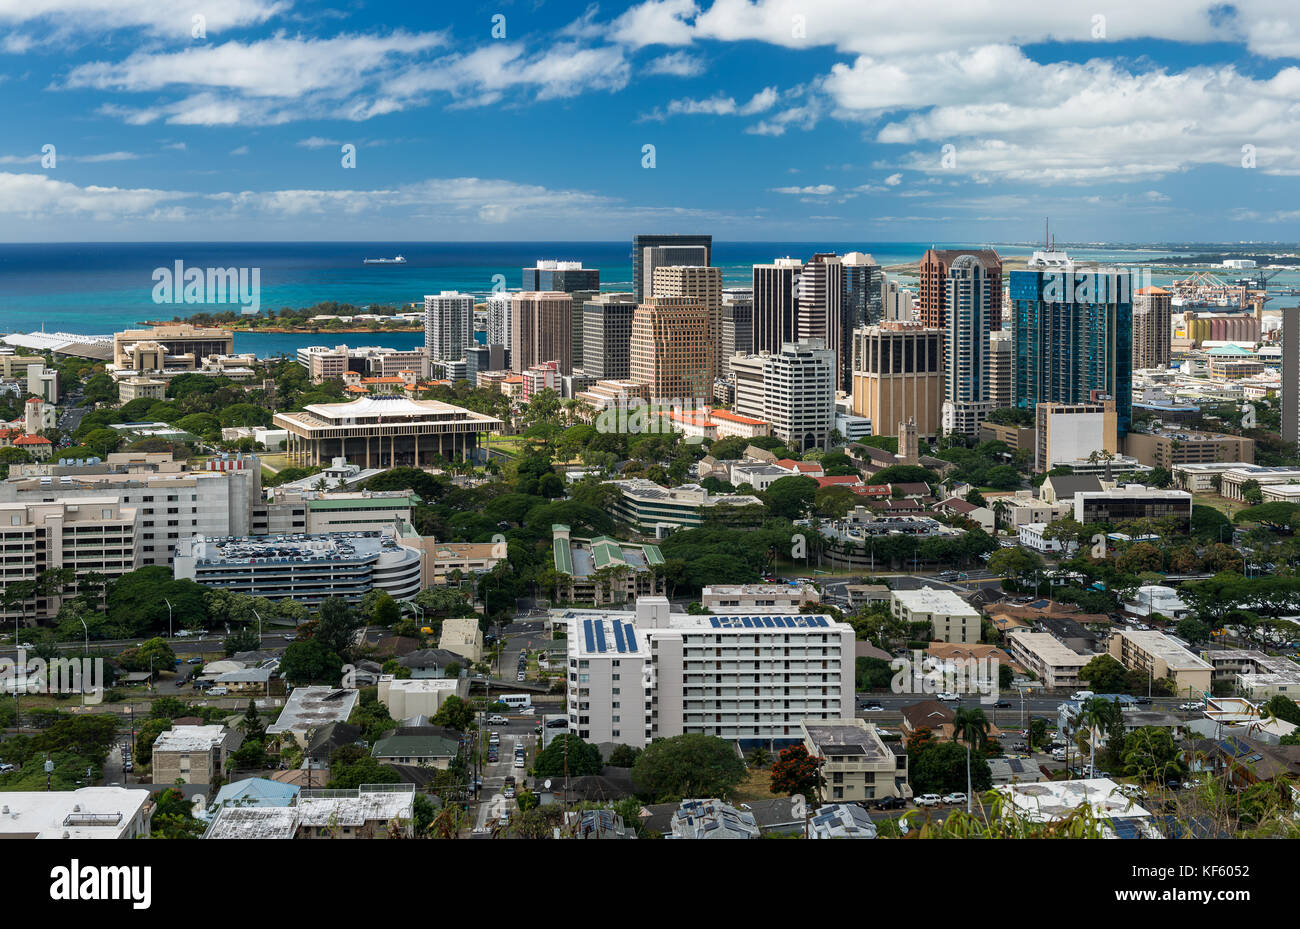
(954, 797)
(949, 697)
(929, 800)
(872, 706)
(195, 661)
(497, 719)
(1191, 706)
(890, 803)
(1002, 705)
(519, 761)
(557, 724)
(1058, 754)
(1144, 701)
(5, 767)
(289, 637)
(217, 691)
(26, 645)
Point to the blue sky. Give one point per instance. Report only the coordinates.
(929, 120)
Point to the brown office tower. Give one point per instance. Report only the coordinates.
(698, 283)
(1152, 325)
(668, 351)
(898, 375)
(935, 266)
(541, 330)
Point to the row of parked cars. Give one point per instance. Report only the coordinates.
(935, 800)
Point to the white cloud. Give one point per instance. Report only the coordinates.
(37, 197)
(894, 180)
(675, 64)
(160, 17)
(242, 150)
(317, 142)
(817, 190)
(655, 22)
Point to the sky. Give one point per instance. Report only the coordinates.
(781, 120)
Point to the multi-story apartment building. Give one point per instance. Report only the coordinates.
(607, 335)
(898, 304)
(936, 267)
(500, 318)
(541, 330)
(1001, 368)
(637, 676)
(898, 375)
(736, 326)
(1162, 657)
(951, 618)
(1073, 336)
(669, 348)
(448, 325)
(192, 754)
(776, 301)
(603, 570)
(650, 251)
(1152, 328)
(758, 598)
(305, 568)
(324, 363)
(703, 285)
(1052, 661)
(966, 347)
(860, 766)
(793, 389)
(86, 535)
(658, 510)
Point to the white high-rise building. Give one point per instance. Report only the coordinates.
(638, 676)
(448, 325)
(499, 319)
(793, 389)
(966, 347)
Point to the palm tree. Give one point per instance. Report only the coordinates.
(1000, 509)
(1093, 714)
(970, 726)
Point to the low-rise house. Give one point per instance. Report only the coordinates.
(419, 696)
(254, 791)
(597, 824)
(951, 618)
(427, 746)
(463, 636)
(711, 819)
(1015, 771)
(955, 506)
(309, 709)
(841, 821)
(1052, 801)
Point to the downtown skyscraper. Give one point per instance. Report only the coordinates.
(448, 325)
(935, 265)
(1073, 337)
(966, 347)
(675, 250)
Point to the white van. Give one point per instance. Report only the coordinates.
(516, 701)
(1082, 695)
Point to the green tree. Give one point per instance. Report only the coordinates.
(583, 758)
(311, 662)
(455, 713)
(795, 771)
(688, 766)
(790, 497)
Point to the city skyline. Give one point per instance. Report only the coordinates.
(830, 121)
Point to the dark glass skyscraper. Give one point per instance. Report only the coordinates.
(1073, 337)
(641, 242)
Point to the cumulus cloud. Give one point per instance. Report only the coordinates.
(675, 64)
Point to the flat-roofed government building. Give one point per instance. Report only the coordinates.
(383, 432)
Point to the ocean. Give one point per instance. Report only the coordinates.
(99, 288)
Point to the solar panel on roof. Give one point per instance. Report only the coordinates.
(618, 636)
(747, 622)
(767, 621)
(587, 634)
(715, 622)
(599, 626)
(630, 631)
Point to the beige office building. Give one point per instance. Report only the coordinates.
(1052, 661)
(669, 350)
(178, 346)
(1071, 432)
(702, 284)
(951, 618)
(89, 534)
(898, 375)
(541, 329)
